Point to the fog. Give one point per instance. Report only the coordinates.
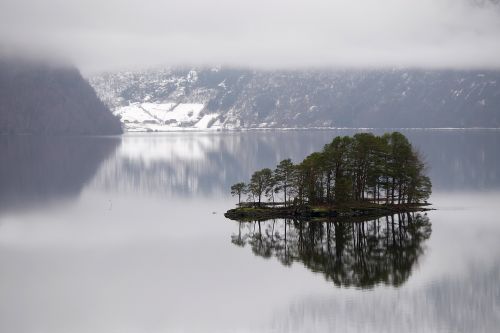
(103, 35)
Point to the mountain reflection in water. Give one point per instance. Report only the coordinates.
(350, 254)
(207, 164)
(35, 170)
(119, 235)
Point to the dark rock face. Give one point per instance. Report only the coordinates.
(319, 98)
(38, 98)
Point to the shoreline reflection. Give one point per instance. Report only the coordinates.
(350, 254)
(36, 170)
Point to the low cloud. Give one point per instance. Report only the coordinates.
(104, 35)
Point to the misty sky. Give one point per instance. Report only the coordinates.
(108, 34)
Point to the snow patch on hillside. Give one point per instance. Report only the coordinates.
(133, 113)
(186, 112)
(206, 121)
(147, 117)
(158, 111)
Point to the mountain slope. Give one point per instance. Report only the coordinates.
(233, 98)
(38, 98)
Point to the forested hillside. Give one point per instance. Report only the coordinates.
(233, 98)
(38, 98)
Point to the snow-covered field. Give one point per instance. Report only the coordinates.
(166, 117)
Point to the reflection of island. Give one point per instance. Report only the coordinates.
(38, 169)
(358, 254)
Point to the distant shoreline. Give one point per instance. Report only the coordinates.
(285, 129)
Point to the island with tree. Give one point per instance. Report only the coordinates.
(362, 176)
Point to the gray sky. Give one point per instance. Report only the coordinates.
(108, 34)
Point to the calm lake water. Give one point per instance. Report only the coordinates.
(128, 235)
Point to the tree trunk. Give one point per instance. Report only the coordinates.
(284, 189)
(393, 189)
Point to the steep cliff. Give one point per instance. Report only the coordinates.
(39, 98)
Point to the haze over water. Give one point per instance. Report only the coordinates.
(128, 235)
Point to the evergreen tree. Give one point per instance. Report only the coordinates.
(362, 167)
(238, 189)
(284, 174)
(259, 183)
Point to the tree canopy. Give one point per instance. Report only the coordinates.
(364, 167)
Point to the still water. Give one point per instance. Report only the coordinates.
(128, 235)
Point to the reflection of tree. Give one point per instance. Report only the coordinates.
(359, 254)
(237, 239)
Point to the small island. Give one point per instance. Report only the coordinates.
(356, 178)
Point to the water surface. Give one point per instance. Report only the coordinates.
(128, 235)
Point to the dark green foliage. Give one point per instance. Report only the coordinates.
(238, 189)
(284, 177)
(365, 167)
(259, 183)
